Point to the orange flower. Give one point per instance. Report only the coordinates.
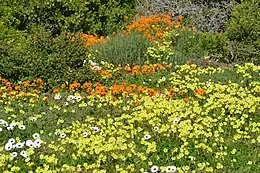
(127, 68)
(17, 88)
(200, 91)
(63, 86)
(179, 18)
(8, 84)
(26, 83)
(45, 98)
(56, 90)
(189, 62)
(186, 100)
(129, 89)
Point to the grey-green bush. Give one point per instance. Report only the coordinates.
(122, 49)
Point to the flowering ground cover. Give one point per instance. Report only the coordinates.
(145, 121)
(156, 96)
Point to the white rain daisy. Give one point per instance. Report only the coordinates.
(176, 120)
(66, 104)
(96, 129)
(20, 145)
(147, 136)
(85, 134)
(14, 154)
(8, 146)
(12, 125)
(70, 97)
(5, 124)
(1, 129)
(154, 168)
(171, 169)
(85, 104)
(78, 98)
(156, 128)
(37, 145)
(37, 142)
(57, 97)
(22, 127)
(9, 128)
(11, 140)
(24, 154)
(62, 135)
(57, 133)
(36, 135)
(29, 143)
(176, 90)
(2, 121)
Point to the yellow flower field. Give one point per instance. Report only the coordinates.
(190, 121)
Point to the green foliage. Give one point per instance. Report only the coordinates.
(244, 32)
(122, 49)
(194, 45)
(92, 16)
(54, 60)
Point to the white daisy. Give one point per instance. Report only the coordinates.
(154, 168)
(85, 134)
(70, 97)
(96, 129)
(20, 145)
(11, 140)
(24, 154)
(37, 145)
(9, 128)
(85, 104)
(36, 135)
(22, 127)
(37, 142)
(66, 104)
(1, 129)
(29, 143)
(78, 98)
(12, 125)
(5, 124)
(57, 133)
(2, 121)
(171, 169)
(156, 128)
(62, 135)
(176, 90)
(57, 97)
(8, 146)
(176, 120)
(14, 154)
(147, 136)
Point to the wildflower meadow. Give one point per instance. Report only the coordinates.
(123, 91)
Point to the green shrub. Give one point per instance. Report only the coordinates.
(91, 16)
(122, 49)
(55, 60)
(195, 45)
(243, 32)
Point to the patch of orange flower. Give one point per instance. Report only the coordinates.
(154, 26)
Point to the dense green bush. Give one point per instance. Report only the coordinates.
(243, 32)
(122, 49)
(91, 16)
(190, 44)
(55, 60)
